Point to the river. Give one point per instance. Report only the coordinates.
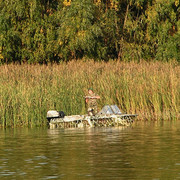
(146, 150)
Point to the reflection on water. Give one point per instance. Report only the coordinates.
(143, 151)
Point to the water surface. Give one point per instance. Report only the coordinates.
(147, 150)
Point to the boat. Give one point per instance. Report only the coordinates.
(110, 115)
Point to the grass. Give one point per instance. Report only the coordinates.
(27, 92)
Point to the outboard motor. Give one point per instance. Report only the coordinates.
(61, 114)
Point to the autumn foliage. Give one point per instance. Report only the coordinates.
(39, 31)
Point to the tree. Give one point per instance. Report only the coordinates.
(79, 30)
(163, 29)
(11, 16)
(42, 31)
(27, 30)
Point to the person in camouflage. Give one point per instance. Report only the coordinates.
(91, 101)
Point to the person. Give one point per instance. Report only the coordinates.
(91, 101)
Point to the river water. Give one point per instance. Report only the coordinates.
(146, 150)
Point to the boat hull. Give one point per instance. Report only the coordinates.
(77, 121)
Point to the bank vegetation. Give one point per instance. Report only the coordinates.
(27, 92)
(43, 31)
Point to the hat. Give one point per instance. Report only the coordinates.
(90, 89)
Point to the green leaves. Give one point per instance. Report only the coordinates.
(162, 30)
(37, 31)
(79, 29)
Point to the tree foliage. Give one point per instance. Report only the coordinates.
(42, 31)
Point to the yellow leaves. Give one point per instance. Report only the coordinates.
(81, 33)
(176, 3)
(60, 43)
(139, 5)
(167, 2)
(97, 2)
(1, 56)
(172, 30)
(151, 14)
(41, 30)
(67, 2)
(114, 4)
(67, 31)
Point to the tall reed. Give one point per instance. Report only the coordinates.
(27, 92)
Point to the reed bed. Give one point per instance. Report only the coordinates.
(27, 92)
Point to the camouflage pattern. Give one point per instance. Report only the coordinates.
(92, 105)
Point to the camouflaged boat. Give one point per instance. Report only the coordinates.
(110, 115)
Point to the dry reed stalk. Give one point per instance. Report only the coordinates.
(27, 92)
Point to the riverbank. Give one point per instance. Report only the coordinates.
(27, 92)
